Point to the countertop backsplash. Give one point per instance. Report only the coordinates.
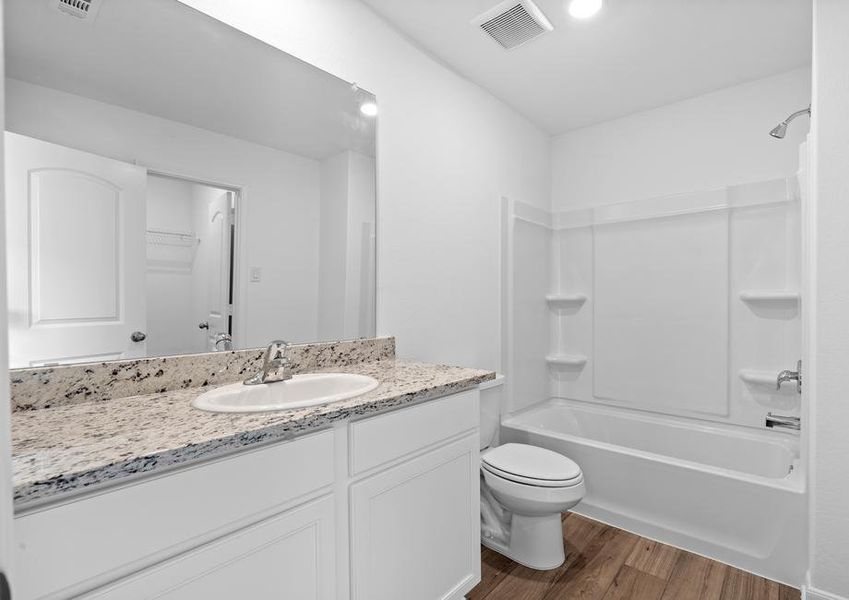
(45, 387)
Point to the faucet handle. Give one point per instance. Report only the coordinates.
(276, 356)
(277, 347)
(788, 375)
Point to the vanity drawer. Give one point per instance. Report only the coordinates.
(80, 544)
(384, 438)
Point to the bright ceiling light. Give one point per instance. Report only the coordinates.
(369, 109)
(584, 9)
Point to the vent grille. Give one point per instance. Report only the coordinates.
(81, 9)
(513, 23)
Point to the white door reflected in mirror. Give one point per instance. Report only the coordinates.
(76, 259)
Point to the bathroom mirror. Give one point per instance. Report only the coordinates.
(175, 186)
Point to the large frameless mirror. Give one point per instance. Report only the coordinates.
(175, 186)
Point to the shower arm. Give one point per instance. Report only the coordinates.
(798, 113)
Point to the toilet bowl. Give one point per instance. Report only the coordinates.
(524, 489)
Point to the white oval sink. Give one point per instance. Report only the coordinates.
(299, 392)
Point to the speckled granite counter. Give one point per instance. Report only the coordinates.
(67, 449)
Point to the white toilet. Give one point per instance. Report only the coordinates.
(523, 491)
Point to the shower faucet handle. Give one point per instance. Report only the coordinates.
(788, 375)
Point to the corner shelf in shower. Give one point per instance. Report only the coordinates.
(564, 300)
(774, 297)
(764, 378)
(566, 360)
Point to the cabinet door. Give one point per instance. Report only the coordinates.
(288, 556)
(415, 528)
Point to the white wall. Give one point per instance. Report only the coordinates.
(361, 217)
(447, 151)
(345, 279)
(280, 202)
(828, 422)
(332, 244)
(706, 142)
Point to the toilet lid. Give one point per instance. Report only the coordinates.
(531, 462)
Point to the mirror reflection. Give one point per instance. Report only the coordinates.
(176, 186)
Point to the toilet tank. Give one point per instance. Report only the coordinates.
(491, 401)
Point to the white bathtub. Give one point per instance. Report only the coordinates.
(731, 494)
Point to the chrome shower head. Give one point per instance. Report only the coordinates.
(780, 130)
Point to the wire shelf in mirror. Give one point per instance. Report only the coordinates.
(171, 250)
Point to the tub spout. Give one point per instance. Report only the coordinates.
(783, 421)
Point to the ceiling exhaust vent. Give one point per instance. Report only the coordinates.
(512, 23)
(85, 10)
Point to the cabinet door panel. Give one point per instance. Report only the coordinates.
(291, 555)
(386, 438)
(415, 527)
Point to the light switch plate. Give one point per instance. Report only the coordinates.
(256, 274)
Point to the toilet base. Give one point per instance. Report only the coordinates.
(535, 542)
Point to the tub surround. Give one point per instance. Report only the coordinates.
(73, 446)
(46, 387)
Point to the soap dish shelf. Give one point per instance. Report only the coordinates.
(762, 378)
(566, 360)
(770, 296)
(564, 300)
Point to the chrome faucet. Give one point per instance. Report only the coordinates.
(224, 339)
(276, 366)
(785, 422)
(788, 375)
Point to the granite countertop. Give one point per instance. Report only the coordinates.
(68, 449)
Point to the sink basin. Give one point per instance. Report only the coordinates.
(299, 392)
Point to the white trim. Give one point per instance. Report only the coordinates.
(772, 191)
(811, 593)
(532, 214)
(508, 220)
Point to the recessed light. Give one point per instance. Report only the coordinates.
(369, 109)
(584, 9)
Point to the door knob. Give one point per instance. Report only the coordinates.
(138, 336)
(203, 325)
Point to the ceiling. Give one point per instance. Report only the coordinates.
(162, 58)
(634, 55)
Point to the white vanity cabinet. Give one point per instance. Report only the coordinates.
(384, 507)
(290, 555)
(415, 526)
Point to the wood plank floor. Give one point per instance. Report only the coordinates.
(605, 563)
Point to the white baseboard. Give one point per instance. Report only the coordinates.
(810, 593)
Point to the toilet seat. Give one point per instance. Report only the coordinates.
(545, 483)
(531, 465)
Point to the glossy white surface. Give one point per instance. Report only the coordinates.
(665, 329)
(721, 491)
(530, 462)
(298, 392)
(521, 519)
